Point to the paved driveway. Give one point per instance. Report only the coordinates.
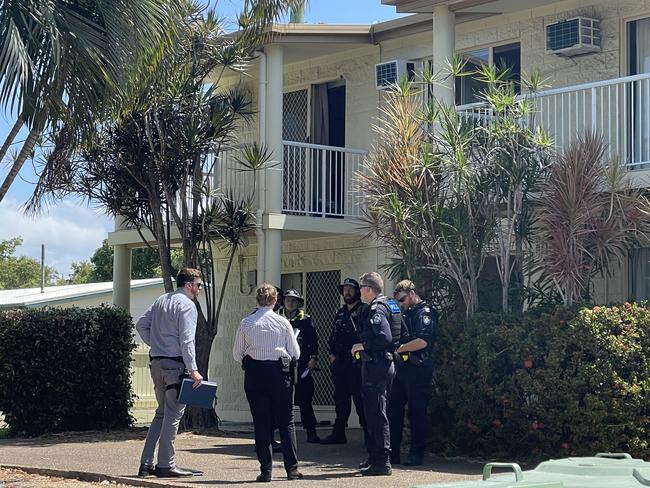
(227, 459)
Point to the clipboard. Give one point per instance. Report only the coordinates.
(202, 397)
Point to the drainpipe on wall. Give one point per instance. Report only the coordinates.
(261, 177)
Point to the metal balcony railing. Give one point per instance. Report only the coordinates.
(618, 109)
(319, 180)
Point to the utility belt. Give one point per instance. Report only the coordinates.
(370, 356)
(415, 358)
(286, 364)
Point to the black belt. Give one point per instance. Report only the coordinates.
(178, 359)
(265, 361)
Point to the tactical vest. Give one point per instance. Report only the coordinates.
(395, 320)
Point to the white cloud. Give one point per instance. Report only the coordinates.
(69, 230)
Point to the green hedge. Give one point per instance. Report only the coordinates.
(65, 369)
(568, 383)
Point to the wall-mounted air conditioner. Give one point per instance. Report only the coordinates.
(571, 37)
(392, 72)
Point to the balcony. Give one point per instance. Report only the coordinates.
(618, 109)
(318, 181)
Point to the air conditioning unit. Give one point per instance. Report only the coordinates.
(571, 37)
(392, 72)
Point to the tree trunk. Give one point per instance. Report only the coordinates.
(27, 148)
(10, 138)
(163, 246)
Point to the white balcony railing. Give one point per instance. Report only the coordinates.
(618, 109)
(230, 176)
(319, 180)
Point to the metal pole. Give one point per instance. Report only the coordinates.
(42, 268)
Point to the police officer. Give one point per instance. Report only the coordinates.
(308, 341)
(380, 333)
(412, 385)
(346, 372)
(265, 345)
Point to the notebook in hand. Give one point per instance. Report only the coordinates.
(203, 396)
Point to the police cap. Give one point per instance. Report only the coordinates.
(292, 292)
(348, 282)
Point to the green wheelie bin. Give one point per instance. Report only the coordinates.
(604, 470)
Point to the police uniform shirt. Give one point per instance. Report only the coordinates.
(421, 323)
(307, 338)
(376, 334)
(347, 324)
(265, 336)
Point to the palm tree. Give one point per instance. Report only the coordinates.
(64, 60)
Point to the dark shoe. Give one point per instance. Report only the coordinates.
(377, 470)
(335, 438)
(176, 472)
(365, 464)
(395, 458)
(414, 459)
(146, 470)
(263, 478)
(294, 475)
(312, 437)
(276, 446)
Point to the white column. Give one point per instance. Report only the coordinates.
(444, 42)
(121, 271)
(273, 187)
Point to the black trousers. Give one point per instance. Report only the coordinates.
(304, 399)
(346, 376)
(269, 392)
(412, 387)
(376, 381)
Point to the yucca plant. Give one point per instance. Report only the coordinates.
(588, 217)
(426, 190)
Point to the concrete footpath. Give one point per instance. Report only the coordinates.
(227, 458)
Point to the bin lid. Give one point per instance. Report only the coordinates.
(602, 470)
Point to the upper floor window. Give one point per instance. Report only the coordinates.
(505, 57)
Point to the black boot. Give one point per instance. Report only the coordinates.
(414, 459)
(336, 437)
(379, 467)
(366, 463)
(312, 437)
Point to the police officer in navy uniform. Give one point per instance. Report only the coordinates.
(412, 385)
(308, 341)
(346, 372)
(380, 334)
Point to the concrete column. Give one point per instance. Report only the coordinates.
(273, 186)
(121, 271)
(444, 43)
(274, 90)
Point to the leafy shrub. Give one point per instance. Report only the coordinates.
(572, 382)
(65, 369)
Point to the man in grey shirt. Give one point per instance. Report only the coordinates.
(168, 327)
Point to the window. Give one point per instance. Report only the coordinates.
(638, 275)
(506, 58)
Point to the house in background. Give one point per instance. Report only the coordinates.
(318, 91)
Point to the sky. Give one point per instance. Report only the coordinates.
(71, 230)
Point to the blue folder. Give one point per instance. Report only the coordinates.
(203, 396)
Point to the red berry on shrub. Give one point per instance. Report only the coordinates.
(565, 445)
(528, 363)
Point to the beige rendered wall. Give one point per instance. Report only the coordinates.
(347, 254)
(528, 28)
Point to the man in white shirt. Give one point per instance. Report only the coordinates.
(265, 345)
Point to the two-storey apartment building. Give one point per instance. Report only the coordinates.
(315, 93)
